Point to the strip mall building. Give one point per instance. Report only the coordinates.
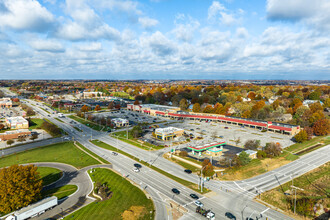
(175, 113)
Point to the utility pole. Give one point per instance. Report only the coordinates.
(295, 196)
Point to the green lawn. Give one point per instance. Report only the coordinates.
(49, 174)
(86, 122)
(78, 129)
(191, 185)
(186, 165)
(131, 140)
(35, 123)
(64, 152)
(60, 192)
(59, 120)
(95, 155)
(125, 195)
(300, 146)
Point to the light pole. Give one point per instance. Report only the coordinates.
(295, 196)
(200, 178)
(243, 212)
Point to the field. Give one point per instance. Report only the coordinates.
(127, 201)
(316, 186)
(35, 123)
(64, 152)
(49, 175)
(299, 147)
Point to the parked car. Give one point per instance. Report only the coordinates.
(230, 216)
(176, 191)
(188, 171)
(194, 196)
(138, 165)
(220, 136)
(198, 203)
(114, 153)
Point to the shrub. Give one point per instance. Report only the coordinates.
(183, 153)
(252, 144)
(261, 154)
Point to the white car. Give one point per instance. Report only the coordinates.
(136, 170)
(198, 203)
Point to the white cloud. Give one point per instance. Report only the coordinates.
(242, 32)
(121, 5)
(218, 12)
(215, 9)
(160, 44)
(25, 15)
(47, 45)
(92, 47)
(315, 13)
(147, 22)
(185, 27)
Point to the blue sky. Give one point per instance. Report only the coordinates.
(164, 39)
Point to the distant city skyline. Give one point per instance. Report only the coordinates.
(165, 39)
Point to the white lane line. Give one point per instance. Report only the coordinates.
(264, 211)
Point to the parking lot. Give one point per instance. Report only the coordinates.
(10, 112)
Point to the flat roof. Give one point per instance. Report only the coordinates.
(168, 130)
(32, 206)
(207, 146)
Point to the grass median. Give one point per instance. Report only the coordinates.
(186, 183)
(64, 152)
(127, 201)
(49, 175)
(60, 192)
(86, 122)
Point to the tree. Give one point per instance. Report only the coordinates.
(2, 126)
(184, 104)
(19, 187)
(84, 108)
(30, 112)
(237, 141)
(314, 107)
(136, 102)
(10, 142)
(196, 107)
(208, 109)
(136, 131)
(309, 132)
(261, 154)
(301, 136)
(244, 158)
(273, 149)
(111, 105)
(97, 107)
(252, 144)
(322, 127)
(207, 167)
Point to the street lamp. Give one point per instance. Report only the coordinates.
(243, 212)
(200, 178)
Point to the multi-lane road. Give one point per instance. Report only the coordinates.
(233, 196)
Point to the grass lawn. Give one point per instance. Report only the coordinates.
(324, 140)
(191, 185)
(59, 120)
(184, 165)
(78, 129)
(64, 152)
(60, 192)
(86, 122)
(125, 197)
(35, 123)
(49, 174)
(95, 155)
(133, 141)
(316, 185)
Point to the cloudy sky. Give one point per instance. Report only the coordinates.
(164, 39)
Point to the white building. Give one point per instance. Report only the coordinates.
(92, 95)
(17, 122)
(120, 122)
(6, 102)
(168, 133)
(308, 102)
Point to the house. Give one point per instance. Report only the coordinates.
(308, 102)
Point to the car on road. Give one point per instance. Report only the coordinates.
(138, 165)
(188, 171)
(176, 191)
(114, 153)
(136, 170)
(198, 203)
(220, 136)
(194, 196)
(230, 216)
(66, 138)
(248, 218)
(226, 128)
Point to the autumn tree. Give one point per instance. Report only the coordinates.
(10, 142)
(97, 108)
(301, 136)
(218, 108)
(84, 108)
(314, 107)
(322, 127)
(207, 168)
(111, 105)
(136, 102)
(208, 109)
(196, 107)
(19, 187)
(2, 126)
(273, 149)
(252, 144)
(184, 104)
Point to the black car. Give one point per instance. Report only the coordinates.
(230, 216)
(138, 165)
(248, 218)
(188, 171)
(176, 191)
(194, 196)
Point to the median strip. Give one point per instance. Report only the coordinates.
(186, 183)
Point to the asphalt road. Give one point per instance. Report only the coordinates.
(230, 196)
